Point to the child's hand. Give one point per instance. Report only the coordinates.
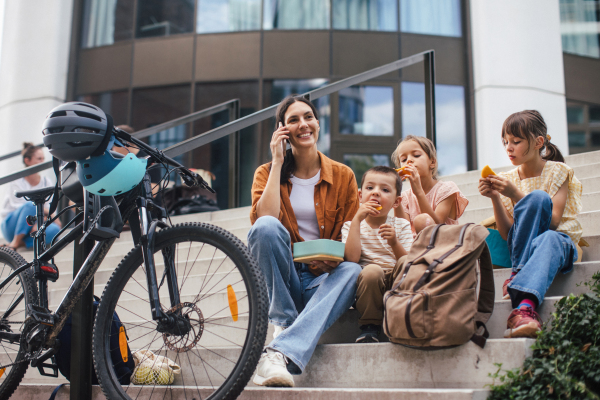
(386, 231)
(366, 209)
(485, 188)
(503, 186)
(414, 178)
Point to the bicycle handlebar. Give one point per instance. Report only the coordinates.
(190, 178)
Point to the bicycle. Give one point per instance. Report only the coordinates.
(202, 302)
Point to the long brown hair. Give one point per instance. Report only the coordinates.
(289, 164)
(529, 125)
(29, 149)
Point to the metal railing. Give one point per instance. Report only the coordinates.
(233, 106)
(236, 125)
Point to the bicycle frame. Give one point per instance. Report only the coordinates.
(148, 224)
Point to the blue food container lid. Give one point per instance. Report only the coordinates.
(320, 249)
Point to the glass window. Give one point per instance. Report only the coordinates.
(431, 17)
(580, 27)
(594, 114)
(575, 115)
(576, 139)
(296, 14)
(164, 17)
(228, 15)
(595, 136)
(113, 103)
(282, 88)
(215, 156)
(361, 163)
(367, 110)
(451, 128)
(374, 15)
(106, 22)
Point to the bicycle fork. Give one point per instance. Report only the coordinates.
(167, 322)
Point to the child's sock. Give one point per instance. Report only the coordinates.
(527, 303)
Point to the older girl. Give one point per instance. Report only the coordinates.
(536, 207)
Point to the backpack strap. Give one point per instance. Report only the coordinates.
(430, 246)
(485, 304)
(429, 270)
(55, 392)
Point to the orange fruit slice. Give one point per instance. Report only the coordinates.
(378, 208)
(402, 171)
(487, 171)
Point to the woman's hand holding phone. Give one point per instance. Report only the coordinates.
(278, 144)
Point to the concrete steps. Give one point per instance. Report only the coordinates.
(340, 368)
(35, 392)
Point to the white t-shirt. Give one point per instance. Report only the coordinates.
(11, 202)
(303, 203)
(374, 248)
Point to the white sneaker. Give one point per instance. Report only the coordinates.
(278, 330)
(271, 370)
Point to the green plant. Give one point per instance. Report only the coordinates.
(565, 363)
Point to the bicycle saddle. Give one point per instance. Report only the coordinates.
(36, 195)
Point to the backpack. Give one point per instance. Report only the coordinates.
(437, 301)
(123, 368)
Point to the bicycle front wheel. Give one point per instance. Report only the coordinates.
(223, 309)
(19, 291)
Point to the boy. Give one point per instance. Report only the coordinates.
(376, 241)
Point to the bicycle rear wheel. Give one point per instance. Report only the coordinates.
(223, 295)
(14, 297)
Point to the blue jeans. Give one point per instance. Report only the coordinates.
(537, 253)
(15, 223)
(303, 303)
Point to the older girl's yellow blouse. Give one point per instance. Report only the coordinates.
(552, 178)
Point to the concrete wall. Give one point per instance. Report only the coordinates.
(517, 65)
(33, 72)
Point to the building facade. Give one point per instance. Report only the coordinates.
(149, 61)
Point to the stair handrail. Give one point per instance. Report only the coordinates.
(206, 112)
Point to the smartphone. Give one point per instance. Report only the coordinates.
(284, 141)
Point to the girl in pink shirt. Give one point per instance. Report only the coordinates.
(428, 201)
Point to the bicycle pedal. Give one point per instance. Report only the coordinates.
(53, 365)
(40, 314)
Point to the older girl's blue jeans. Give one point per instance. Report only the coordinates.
(537, 253)
(305, 304)
(15, 223)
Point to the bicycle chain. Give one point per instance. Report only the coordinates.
(94, 222)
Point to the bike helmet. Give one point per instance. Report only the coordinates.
(111, 173)
(75, 131)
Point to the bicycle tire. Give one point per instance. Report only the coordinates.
(24, 283)
(199, 240)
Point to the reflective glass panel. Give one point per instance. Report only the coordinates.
(373, 15)
(575, 114)
(594, 114)
(285, 87)
(113, 103)
(228, 15)
(214, 157)
(106, 22)
(164, 17)
(576, 139)
(451, 128)
(431, 17)
(595, 138)
(580, 27)
(296, 14)
(367, 110)
(360, 163)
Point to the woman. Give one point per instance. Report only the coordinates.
(15, 210)
(300, 195)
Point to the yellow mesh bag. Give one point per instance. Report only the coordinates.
(151, 369)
